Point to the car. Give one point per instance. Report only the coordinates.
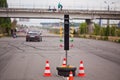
(33, 36)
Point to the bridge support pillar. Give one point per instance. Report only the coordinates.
(90, 25)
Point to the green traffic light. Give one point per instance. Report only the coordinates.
(61, 40)
(71, 40)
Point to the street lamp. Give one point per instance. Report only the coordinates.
(108, 4)
(108, 9)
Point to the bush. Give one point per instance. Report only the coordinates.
(84, 36)
(118, 41)
(101, 38)
(105, 38)
(118, 32)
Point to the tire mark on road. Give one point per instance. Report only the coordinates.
(16, 47)
(33, 48)
(95, 49)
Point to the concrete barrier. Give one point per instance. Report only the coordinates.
(1, 35)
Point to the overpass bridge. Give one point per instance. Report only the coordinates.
(56, 14)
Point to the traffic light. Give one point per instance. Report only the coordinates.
(71, 32)
(71, 40)
(66, 32)
(61, 32)
(71, 35)
(61, 40)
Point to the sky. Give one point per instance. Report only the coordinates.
(73, 4)
(67, 4)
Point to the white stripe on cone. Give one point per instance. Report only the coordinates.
(47, 71)
(81, 65)
(64, 62)
(81, 71)
(71, 75)
(47, 65)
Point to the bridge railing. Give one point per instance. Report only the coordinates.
(63, 11)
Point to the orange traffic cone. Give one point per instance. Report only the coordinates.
(71, 76)
(81, 70)
(47, 70)
(67, 78)
(64, 62)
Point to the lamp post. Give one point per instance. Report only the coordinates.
(108, 9)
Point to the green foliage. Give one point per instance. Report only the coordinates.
(102, 31)
(97, 29)
(3, 3)
(107, 31)
(112, 31)
(118, 32)
(83, 28)
(5, 23)
(105, 38)
(119, 41)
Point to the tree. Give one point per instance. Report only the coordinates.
(107, 31)
(13, 24)
(102, 31)
(118, 32)
(3, 3)
(5, 23)
(97, 29)
(83, 28)
(112, 30)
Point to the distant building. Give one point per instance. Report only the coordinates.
(105, 25)
(119, 24)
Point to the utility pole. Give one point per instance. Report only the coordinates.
(108, 9)
(108, 19)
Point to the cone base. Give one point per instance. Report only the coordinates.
(71, 78)
(81, 75)
(47, 75)
(64, 71)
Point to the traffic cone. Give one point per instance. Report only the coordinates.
(71, 76)
(67, 78)
(81, 70)
(47, 70)
(64, 62)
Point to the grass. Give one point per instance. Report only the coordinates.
(106, 38)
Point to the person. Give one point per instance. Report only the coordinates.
(49, 8)
(60, 6)
(13, 33)
(54, 9)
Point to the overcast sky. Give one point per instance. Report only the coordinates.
(67, 4)
(74, 4)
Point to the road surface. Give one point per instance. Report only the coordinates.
(21, 60)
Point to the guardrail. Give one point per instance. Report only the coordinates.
(50, 14)
(58, 11)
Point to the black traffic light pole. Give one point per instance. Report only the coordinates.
(66, 34)
(66, 58)
(61, 71)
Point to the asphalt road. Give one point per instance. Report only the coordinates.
(21, 60)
